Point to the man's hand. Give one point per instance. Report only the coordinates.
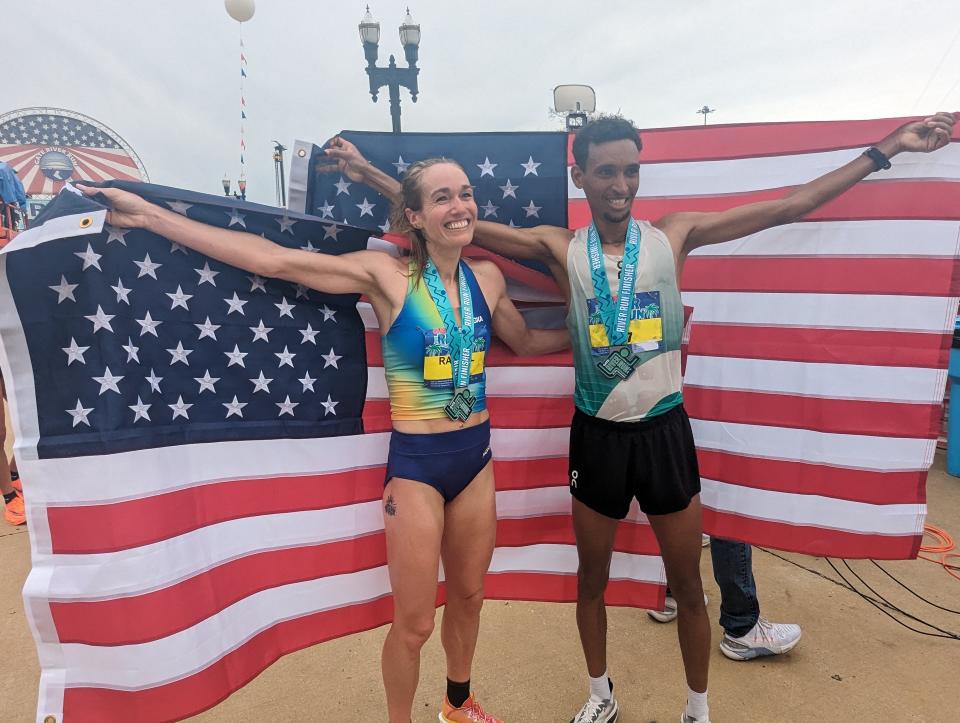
(924, 136)
(127, 210)
(344, 157)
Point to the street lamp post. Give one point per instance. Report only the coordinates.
(392, 76)
(705, 110)
(278, 149)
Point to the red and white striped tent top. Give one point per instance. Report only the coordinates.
(47, 147)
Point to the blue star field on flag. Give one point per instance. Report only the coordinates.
(520, 179)
(136, 341)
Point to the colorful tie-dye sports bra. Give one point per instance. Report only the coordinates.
(416, 355)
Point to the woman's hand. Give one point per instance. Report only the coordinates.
(343, 156)
(127, 210)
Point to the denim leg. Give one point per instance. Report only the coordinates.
(733, 571)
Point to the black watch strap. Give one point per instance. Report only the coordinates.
(879, 158)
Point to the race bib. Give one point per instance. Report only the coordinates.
(437, 369)
(645, 332)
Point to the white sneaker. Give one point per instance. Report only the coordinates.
(669, 612)
(598, 710)
(704, 540)
(684, 718)
(765, 638)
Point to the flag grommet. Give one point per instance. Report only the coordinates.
(85, 222)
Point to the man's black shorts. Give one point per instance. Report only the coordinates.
(653, 460)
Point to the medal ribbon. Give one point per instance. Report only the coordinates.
(461, 338)
(616, 318)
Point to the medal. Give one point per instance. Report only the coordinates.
(620, 362)
(461, 338)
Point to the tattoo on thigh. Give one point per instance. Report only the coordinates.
(390, 507)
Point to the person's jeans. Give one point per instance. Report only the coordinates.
(733, 571)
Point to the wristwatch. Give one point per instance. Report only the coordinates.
(879, 158)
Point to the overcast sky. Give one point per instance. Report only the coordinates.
(165, 75)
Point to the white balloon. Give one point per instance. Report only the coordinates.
(239, 10)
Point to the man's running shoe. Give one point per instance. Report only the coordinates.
(14, 513)
(16, 483)
(684, 718)
(469, 712)
(765, 638)
(669, 612)
(598, 710)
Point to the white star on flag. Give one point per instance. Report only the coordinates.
(486, 168)
(179, 207)
(79, 414)
(148, 325)
(131, 351)
(286, 308)
(261, 384)
(64, 290)
(489, 210)
(326, 210)
(343, 186)
(100, 320)
(308, 246)
(147, 268)
(206, 275)
(509, 189)
(285, 357)
(236, 356)
(123, 294)
(286, 223)
(234, 407)
(180, 409)
(257, 283)
(108, 382)
(530, 166)
(328, 313)
(235, 304)
(286, 406)
(207, 329)
(140, 410)
(154, 381)
(179, 354)
(236, 219)
(179, 299)
(74, 352)
(116, 234)
(89, 258)
(331, 231)
(329, 406)
(261, 332)
(308, 335)
(307, 382)
(366, 208)
(532, 210)
(401, 166)
(302, 292)
(207, 382)
(330, 360)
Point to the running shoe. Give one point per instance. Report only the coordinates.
(765, 638)
(598, 710)
(470, 712)
(16, 483)
(669, 612)
(684, 718)
(704, 540)
(14, 513)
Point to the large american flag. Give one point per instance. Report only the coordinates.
(47, 147)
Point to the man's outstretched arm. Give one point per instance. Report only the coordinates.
(690, 230)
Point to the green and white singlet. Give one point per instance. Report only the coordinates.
(655, 332)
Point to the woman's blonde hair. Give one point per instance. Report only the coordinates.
(411, 196)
